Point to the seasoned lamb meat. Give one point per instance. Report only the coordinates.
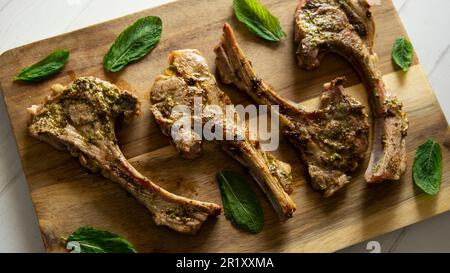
(188, 78)
(346, 27)
(332, 140)
(80, 119)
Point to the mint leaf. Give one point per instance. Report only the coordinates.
(427, 168)
(42, 70)
(91, 240)
(240, 204)
(402, 53)
(133, 43)
(258, 19)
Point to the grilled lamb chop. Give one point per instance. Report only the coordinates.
(346, 27)
(187, 78)
(81, 118)
(332, 140)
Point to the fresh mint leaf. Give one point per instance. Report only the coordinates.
(133, 43)
(402, 53)
(42, 70)
(427, 168)
(91, 240)
(258, 19)
(240, 203)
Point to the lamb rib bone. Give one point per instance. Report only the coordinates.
(332, 140)
(188, 78)
(329, 25)
(81, 118)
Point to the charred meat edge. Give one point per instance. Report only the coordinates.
(330, 25)
(300, 126)
(188, 75)
(80, 119)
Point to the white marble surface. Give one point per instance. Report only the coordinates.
(25, 21)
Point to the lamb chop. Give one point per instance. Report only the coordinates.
(80, 119)
(332, 141)
(188, 79)
(346, 27)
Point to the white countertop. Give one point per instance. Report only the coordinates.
(25, 21)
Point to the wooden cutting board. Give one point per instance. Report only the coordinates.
(66, 196)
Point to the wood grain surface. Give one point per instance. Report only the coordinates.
(66, 196)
